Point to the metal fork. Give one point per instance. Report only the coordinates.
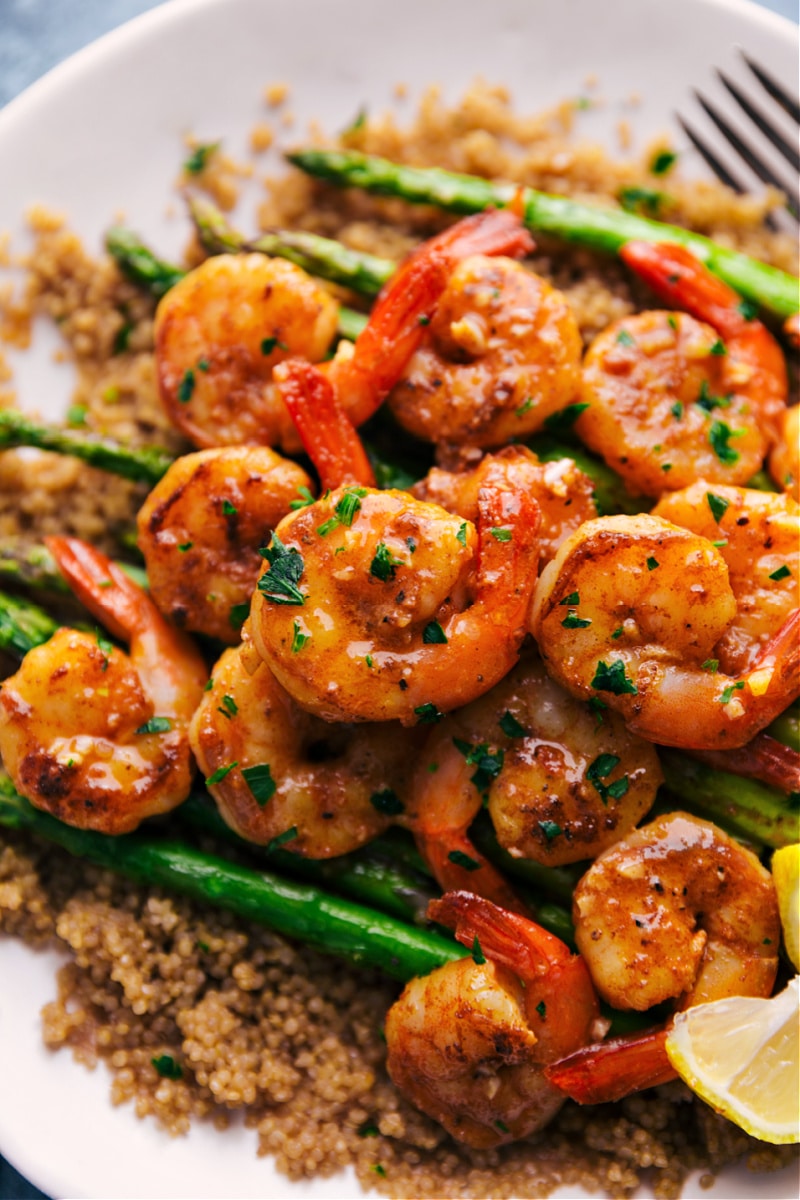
(760, 108)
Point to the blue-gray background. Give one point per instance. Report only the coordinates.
(34, 36)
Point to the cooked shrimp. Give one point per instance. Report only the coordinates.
(672, 397)
(220, 332)
(562, 491)
(630, 612)
(201, 528)
(467, 1044)
(784, 460)
(675, 911)
(559, 784)
(406, 610)
(278, 773)
(758, 536)
(500, 355)
(95, 737)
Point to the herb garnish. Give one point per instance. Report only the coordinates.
(279, 581)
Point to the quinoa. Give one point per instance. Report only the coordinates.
(238, 1019)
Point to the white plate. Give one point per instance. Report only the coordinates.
(103, 133)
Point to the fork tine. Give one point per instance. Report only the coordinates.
(764, 173)
(775, 89)
(773, 135)
(717, 165)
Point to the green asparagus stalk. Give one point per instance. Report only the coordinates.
(320, 256)
(139, 264)
(610, 493)
(374, 876)
(786, 727)
(31, 565)
(146, 465)
(597, 228)
(744, 806)
(297, 910)
(23, 625)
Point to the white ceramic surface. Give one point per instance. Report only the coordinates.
(103, 134)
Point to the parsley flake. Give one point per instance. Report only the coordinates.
(184, 547)
(288, 835)
(729, 690)
(612, 678)
(782, 572)
(304, 499)
(239, 614)
(526, 406)
(573, 621)
(229, 708)
(299, 638)
(511, 726)
(541, 1009)
(677, 410)
(463, 860)
(719, 348)
(709, 402)
(652, 563)
(642, 200)
(550, 829)
(279, 582)
(747, 309)
(663, 161)
(198, 159)
(228, 509)
(711, 664)
(624, 338)
(718, 505)
(572, 599)
(220, 774)
(388, 802)
(461, 536)
(489, 763)
(186, 386)
(260, 782)
(719, 435)
(434, 635)
(428, 714)
(268, 344)
(156, 725)
(167, 1067)
(477, 954)
(562, 421)
(384, 565)
(500, 534)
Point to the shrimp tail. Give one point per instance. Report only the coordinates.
(608, 1071)
(764, 759)
(325, 429)
(408, 301)
(678, 278)
(779, 663)
(454, 860)
(506, 937)
(508, 547)
(123, 607)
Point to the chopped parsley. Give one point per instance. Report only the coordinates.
(279, 581)
(526, 406)
(719, 435)
(489, 763)
(781, 573)
(434, 635)
(388, 802)
(618, 632)
(663, 161)
(511, 726)
(344, 510)
(268, 344)
(368, 1129)
(428, 714)
(719, 348)
(572, 599)
(599, 770)
(299, 638)
(167, 1067)
(198, 159)
(186, 386)
(220, 774)
(477, 954)
(229, 708)
(184, 547)
(461, 536)
(562, 421)
(677, 410)
(573, 621)
(260, 782)
(463, 860)
(718, 505)
(727, 693)
(384, 565)
(550, 829)
(228, 509)
(422, 319)
(652, 563)
(156, 725)
(710, 664)
(612, 678)
(500, 534)
(288, 835)
(238, 614)
(304, 499)
(642, 200)
(498, 1124)
(541, 1009)
(623, 338)
(747, 309)
(709, 402)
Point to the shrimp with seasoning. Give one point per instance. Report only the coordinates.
(676, 911)
(631, 612)
(95, 737)
(279, 774)
(784, 459)
(672, 397)
(468, 1043)
(562, 491)
(220, 332)
(560, 786)
(758, 536)
(406, 611)
(501, 354)
(201, 528)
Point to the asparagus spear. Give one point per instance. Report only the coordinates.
(142, 466)
(597, 228)
(31, 565)
(23, 625)
(320, 256)
(139, 264)
(297, 910)
(744, 806)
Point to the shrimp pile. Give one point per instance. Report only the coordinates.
(484, 642)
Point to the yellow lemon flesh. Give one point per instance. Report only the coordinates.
(786, 873)
(740, 1055)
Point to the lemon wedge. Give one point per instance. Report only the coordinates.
(740, 1055)
(786, 873)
